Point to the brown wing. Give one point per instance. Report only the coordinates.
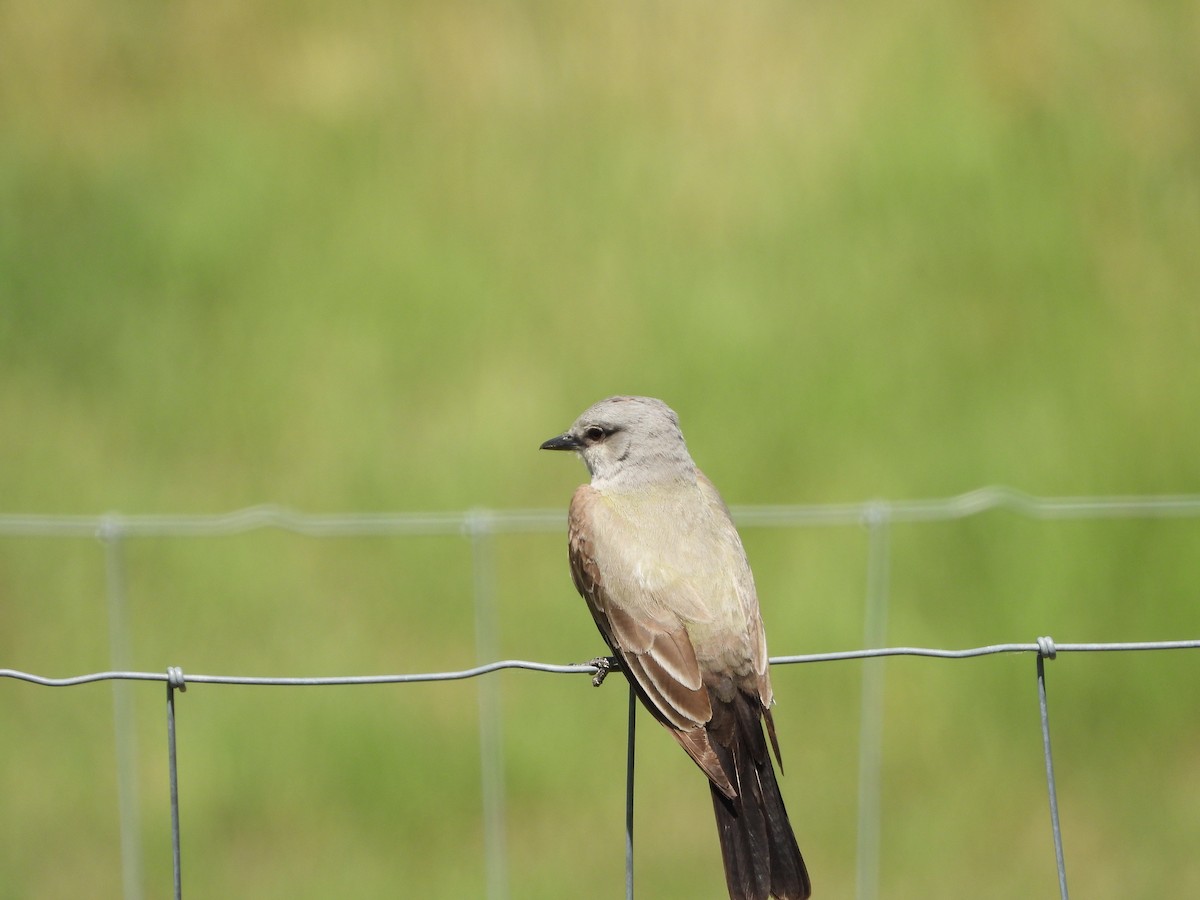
(656, 654)
(749, 599)
(746, 593)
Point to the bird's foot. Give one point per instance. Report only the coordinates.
(604, 665)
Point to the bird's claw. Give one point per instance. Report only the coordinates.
(604, 665)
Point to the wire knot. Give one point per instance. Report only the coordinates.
(1046, 648)
(175, 678)
(876, 513)
(478, 522)
(110, 529)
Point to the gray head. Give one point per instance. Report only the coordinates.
(628, 441)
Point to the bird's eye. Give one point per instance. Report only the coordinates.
(594, 433)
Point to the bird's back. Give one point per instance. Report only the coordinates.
(671, 554)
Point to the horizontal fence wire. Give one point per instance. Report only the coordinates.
(961, 506)
(480, 525)
(176, 680)
(176, 675)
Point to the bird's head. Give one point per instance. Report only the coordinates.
(627, 442)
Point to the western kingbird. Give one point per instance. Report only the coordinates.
(657, 558)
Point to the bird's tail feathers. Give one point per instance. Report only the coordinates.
(759, 849)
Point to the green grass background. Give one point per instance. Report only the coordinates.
(366, 256)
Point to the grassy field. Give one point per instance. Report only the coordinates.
(367, 256)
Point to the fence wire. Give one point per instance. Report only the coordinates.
(480, 526)
(176, 680)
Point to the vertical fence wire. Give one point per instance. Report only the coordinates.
(1046, 649)
(870, 741)
(125, 735)
(174, 679)
(630, 755)
(491, 739)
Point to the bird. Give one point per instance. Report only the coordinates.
(656, 557)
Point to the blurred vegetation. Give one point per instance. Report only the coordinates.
(367, 256)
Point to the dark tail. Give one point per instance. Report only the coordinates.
(760, 852)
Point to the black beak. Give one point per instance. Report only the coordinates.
(565, 441)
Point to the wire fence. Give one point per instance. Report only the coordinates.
(480, 526)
